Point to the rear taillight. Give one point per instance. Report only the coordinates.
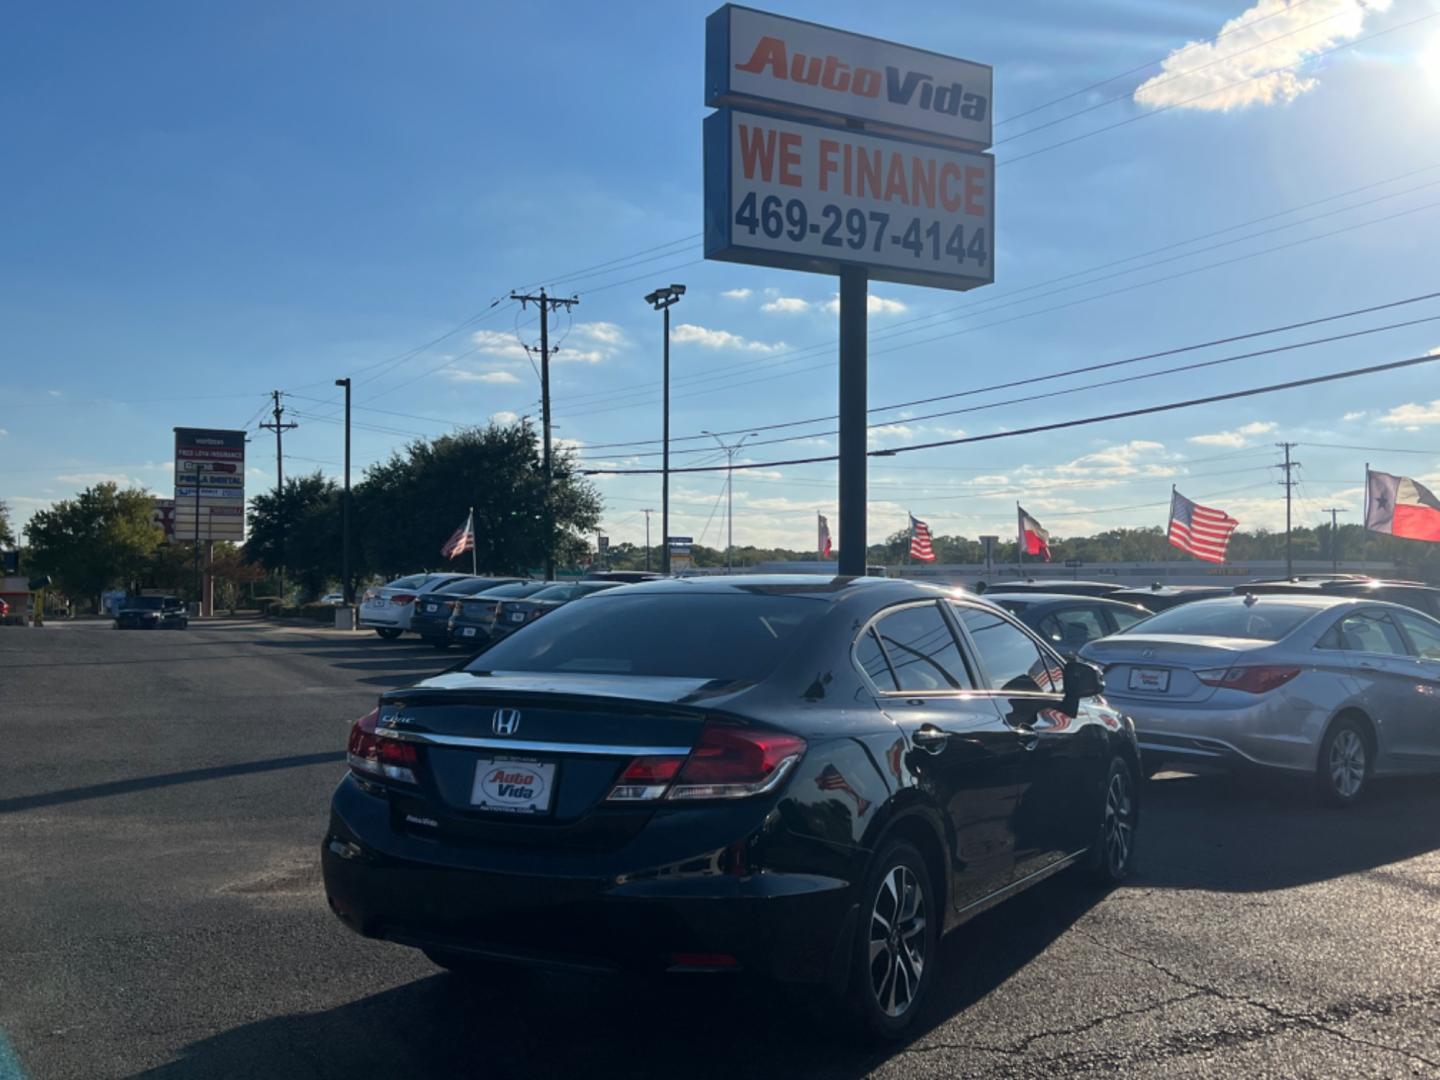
(377, 755)
(725, 763)
(1251, 680)
(402, 599)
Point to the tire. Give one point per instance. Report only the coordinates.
(1112, 855)
(1345, 764)
(389, 633)
(894, 959)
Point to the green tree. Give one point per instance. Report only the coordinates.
(7, 534)
(102, 537)
(303, 528)
(408, 505)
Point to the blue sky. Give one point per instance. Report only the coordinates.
(202, 203)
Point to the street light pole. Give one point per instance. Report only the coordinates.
(662, 299)
(1334, 512)
(647, 512)
(730, 452)
(345, 585)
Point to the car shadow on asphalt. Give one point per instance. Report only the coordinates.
(542, 1025)
(1238, 834)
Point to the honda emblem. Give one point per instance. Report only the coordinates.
(505, 721)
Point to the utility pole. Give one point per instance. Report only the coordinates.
(730, 452)
(1334, 511)
(345, 586)
(661, 300)
(1289, 485)
(280, 428)
(546, 304)
(647, 512)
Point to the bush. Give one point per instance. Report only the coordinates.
(266, 604)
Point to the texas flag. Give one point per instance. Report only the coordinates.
(822, 536)
(1035, 540)
(1400, 506)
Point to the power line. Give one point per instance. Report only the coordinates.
(1228, 340)
(1212, 399)
(1178, 369)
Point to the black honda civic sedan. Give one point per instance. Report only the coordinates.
(803, 778)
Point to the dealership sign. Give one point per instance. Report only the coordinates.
(806, 197)
(209, 484)
(776, 64)
(831, 150)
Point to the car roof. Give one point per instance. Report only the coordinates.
(815, 586)
(1318, 601)
(1056, 598)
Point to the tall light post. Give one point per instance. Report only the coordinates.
(730, 452)
(662, 299)
(345, 586)
(647, 512)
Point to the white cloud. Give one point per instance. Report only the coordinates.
(786, 305)
(54, 393)
(503, 417)
(496, 378)
(89, 479)
(579, 356)
(736, 294)
(498, 343)
(690, 334)
(1239, 437)
(3, 433)
(1358, 415)
(1123, 459)
(1240, 68)
(605, 332)
(874, 305)
(1412, 416)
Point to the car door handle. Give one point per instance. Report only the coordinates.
(930, 739)
(1369, 665)
(1029, 741)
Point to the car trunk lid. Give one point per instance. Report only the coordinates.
(1162, 667)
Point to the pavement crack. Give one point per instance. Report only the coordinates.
(1339, 1012)
(1027, 1041)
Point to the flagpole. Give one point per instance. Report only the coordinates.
(910, 538)
(1365, 521)
(471, 523)
(1020, 539)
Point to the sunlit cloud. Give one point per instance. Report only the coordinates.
(1240, 437)
(691, 334)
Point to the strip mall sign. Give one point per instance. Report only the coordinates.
(772, 63)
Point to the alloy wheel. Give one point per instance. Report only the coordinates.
(1119, 824)
(897, 941)
(1347, 763)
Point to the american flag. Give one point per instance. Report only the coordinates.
(1203, 532)
(822, 536)
(832, 779)
(462, 539)
(920, 546)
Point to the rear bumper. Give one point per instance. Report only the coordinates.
(386, 618)
(1279, 731)
(431, 629)
(589, 911)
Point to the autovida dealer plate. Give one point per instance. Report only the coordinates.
(513, 785)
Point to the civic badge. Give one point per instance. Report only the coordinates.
(1145, 654)
(505, 721)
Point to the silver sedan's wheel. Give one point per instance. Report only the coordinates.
(1343, 771)
(897, 942)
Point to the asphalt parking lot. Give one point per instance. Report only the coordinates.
(162, 797)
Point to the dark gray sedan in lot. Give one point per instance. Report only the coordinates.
(1069, 622)
(1335, 689)
(151, 613)
(799, 778)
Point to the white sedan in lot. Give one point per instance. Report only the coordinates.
(388, 609)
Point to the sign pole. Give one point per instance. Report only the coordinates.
(854, 287)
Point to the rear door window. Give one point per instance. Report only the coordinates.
(1367, 632)
(1424, 634)
(922, 650)
(871, 658)
(1012, 661)
(1070, 628)
(1126, 618)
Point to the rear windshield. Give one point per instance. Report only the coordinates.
(414, 581)
(515, 588)
(1011, 605)
(732, 638)
(563, 592)
(1265, 620)
(470, 586)
(145, 603)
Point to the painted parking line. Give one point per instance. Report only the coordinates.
(9, 1061)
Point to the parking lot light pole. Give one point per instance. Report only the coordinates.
(345, 586)
(730, 452)
(661, 300)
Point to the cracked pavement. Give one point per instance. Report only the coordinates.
(164, 796)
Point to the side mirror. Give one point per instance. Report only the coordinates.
(1082, 681)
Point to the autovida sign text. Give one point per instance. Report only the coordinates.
(809, 197)
(831, 150)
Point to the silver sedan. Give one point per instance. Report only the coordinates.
(1343, 690)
